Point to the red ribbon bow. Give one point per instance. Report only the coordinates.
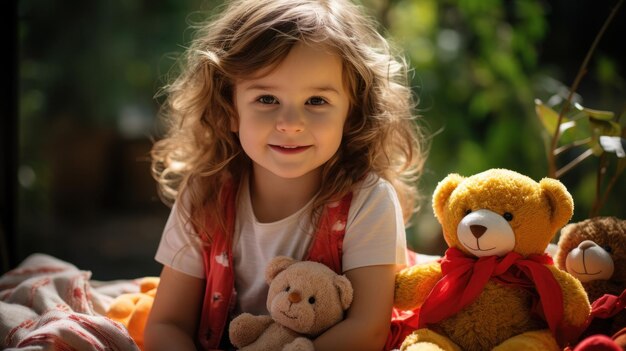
(608, 305)
(464, 278)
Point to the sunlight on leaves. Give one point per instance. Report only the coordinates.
(613, 144)
(597, 114)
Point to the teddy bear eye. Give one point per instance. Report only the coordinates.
(287, 288)
(468, 212)
(312, 300)
(607, 248)
(508, 216)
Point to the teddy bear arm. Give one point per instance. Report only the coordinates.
(576, 307)
(246, 328)
(414, 283)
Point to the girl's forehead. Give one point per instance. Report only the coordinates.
(313, 62)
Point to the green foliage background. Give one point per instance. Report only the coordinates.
(89, 70)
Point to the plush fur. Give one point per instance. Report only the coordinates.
(594, 251)
(305, 298)
(132, 309)
(500, 318)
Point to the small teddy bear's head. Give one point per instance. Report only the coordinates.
(305, 296)
(498, 211)
(594, 251)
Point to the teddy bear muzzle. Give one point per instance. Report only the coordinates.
(589, 262)
(486, 233)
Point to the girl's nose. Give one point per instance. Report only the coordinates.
(290, 121)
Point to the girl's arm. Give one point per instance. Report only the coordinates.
(174, 317)
(367, 323)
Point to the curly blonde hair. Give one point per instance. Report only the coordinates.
(200, 152)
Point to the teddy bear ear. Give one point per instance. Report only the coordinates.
(442, 192)
(561, 251)
(344, 287)
(277, 265)
(560, 202)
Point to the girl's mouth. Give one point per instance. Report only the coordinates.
(289, 149)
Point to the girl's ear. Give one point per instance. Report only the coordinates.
(277, 265)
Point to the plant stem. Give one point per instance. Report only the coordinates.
(596, 208)
(571, 145)
(599, 202)
(573, 163)
(581, 72)
(602, 166)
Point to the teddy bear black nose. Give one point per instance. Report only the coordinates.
(294, 297)
(478, 230)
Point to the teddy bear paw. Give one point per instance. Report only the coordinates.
(300, 344)
(428, 340)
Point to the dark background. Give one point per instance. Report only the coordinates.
(79, 113)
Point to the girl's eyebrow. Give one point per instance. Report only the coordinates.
(320, 89)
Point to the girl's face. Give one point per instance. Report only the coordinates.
(291, 119)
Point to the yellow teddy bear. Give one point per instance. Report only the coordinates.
(495, 288)
(132, 309)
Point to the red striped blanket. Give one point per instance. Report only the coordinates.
(49, 304)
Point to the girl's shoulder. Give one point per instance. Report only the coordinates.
(374, 189)
(372, 183)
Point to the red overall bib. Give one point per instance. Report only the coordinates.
(220, 295)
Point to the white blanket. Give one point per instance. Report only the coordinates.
(49, 304)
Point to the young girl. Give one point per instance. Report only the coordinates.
(291, 133)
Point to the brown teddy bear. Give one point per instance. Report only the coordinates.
(305, 298)
(495, 288)
(594, 251)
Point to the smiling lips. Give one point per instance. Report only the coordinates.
(289, 149)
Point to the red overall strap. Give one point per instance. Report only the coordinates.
(327, 246)
(220, 277)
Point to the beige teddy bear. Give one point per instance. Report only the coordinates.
(305, 298)
(495, 289)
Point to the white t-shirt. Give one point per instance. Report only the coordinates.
(374, 236)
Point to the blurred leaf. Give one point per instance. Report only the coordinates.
(621, 165)
(597, 114)
(472, 158)
(480, 104)
(613, 144)
(549, 118)
(602, 127)
(607, 72)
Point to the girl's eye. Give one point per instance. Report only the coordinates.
(316, 100)
(267, 100)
